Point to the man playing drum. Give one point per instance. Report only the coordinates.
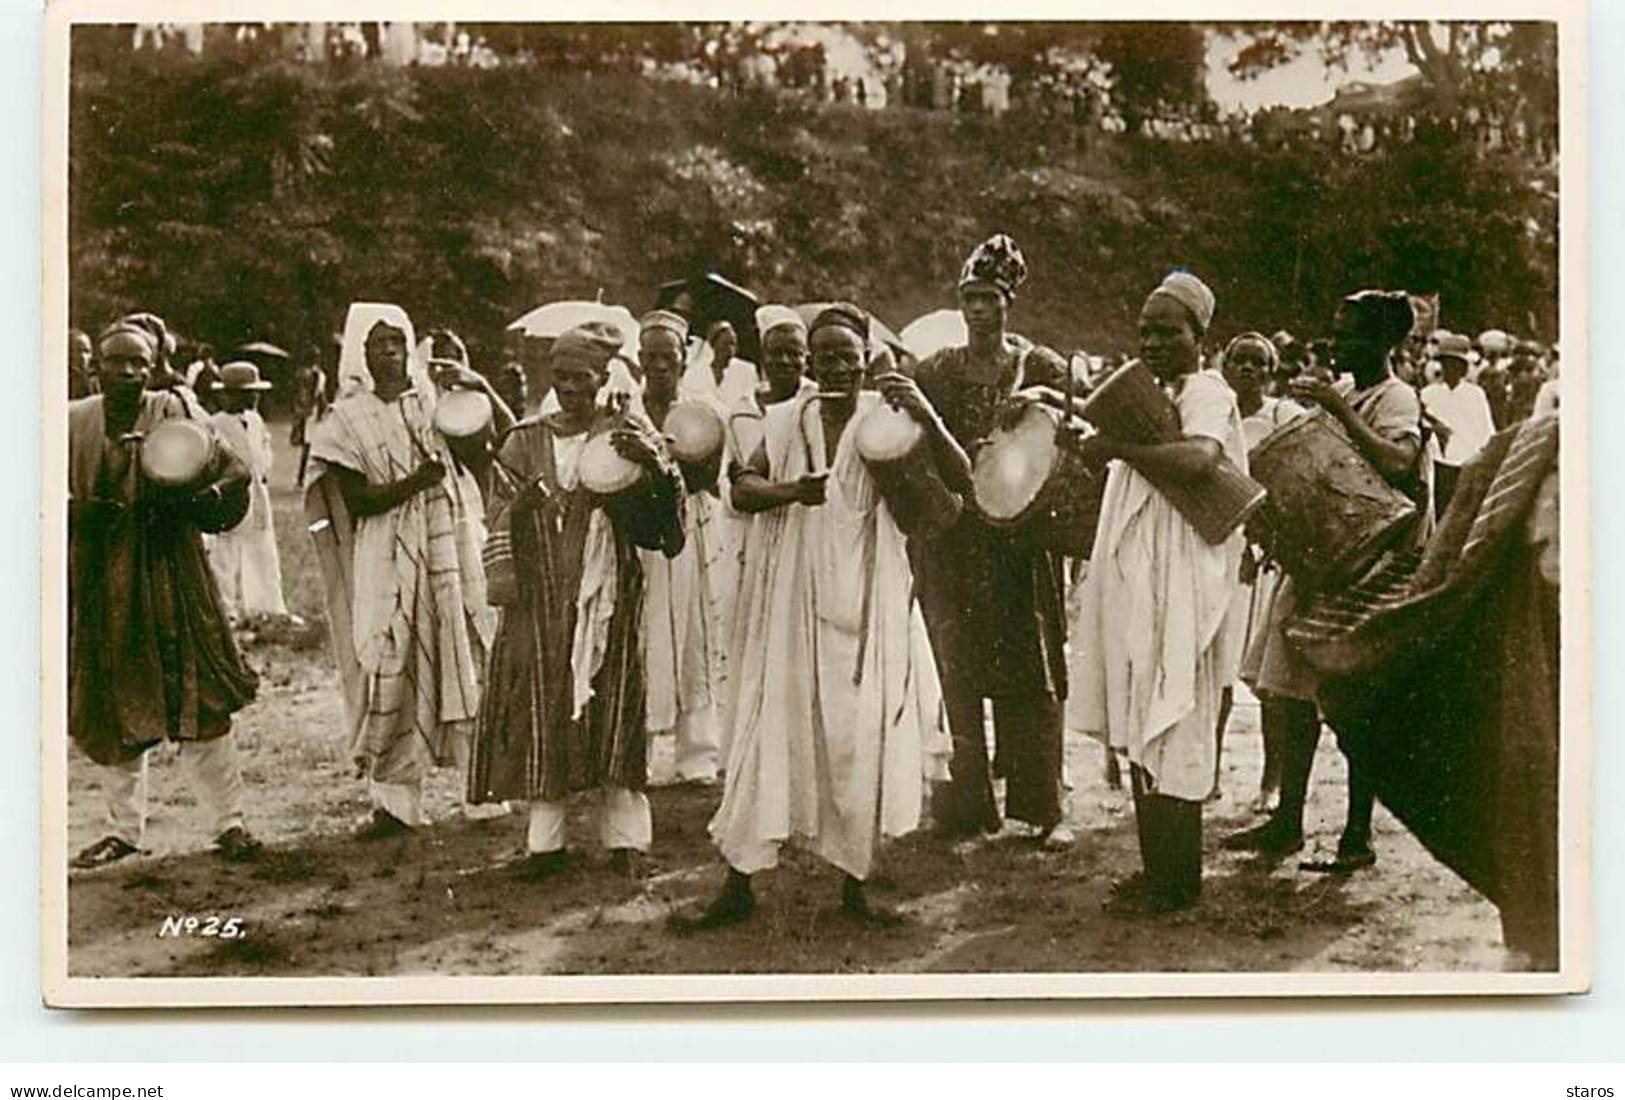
(835, 705)
(993, 601)
(150, 655)
(399, 538)
(1151, 658)
(564, 701)
(1383, 420)
(683, 635)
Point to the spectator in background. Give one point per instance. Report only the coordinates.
(203, 376)
(1459, 414)
(244, 559)
(510, 376)
(81, 380)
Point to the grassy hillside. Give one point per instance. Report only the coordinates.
(257, 199)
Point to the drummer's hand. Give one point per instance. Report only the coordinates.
(902, 392)
(809, 488)
(429, 473)
(1010, 412)
(1095, 448)
(461, 378)
(1317, 391)
(634, 447)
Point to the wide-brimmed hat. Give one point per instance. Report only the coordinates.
(240, 376)
(1453, 346)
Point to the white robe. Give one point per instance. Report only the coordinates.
(244, 559)
(1150, 656)
(682, 619)
(835, 708)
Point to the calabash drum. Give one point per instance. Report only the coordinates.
(177, 454)
(620, 484)
(1131, 406)
(462, 414)
(1025, 476)
(697, 437)
(1330, 513)
(898, 456)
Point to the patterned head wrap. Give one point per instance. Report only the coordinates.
(1190, 292)
(996, 260)
(843, 315)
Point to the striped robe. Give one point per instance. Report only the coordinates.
(564, 705)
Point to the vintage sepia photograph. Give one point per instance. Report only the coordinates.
(780, 509)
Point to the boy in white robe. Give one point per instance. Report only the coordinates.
(245, 559)
(835, 707)
(1151, 658)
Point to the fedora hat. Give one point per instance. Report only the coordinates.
(240, 376)
(1453, 346)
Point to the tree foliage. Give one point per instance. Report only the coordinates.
(255, 198)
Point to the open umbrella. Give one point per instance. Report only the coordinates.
(556, 318)
(929, 334)
(709, 298)
(879, 331)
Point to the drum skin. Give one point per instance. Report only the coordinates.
(1025, 477)
(462, 414)
(898, 455)
(697, 437)
(177, 454)
(1330, 513)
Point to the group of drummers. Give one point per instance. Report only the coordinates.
(827, 583)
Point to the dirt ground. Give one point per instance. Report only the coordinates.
(444, 901)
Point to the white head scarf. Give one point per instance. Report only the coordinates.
(363, 316)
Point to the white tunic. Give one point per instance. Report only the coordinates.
(1150, 656)
(835, 707)
(1465, 410)
(244, 559)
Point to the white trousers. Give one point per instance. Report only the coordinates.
(698, 742)
(212, 771)
(624, 821)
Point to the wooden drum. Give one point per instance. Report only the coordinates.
(177, 454)
(1330, 513)
(1131, 406)
(898, 456)
(1026, 476)
(697, 437)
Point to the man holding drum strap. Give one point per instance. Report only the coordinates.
(1151, 656)
(682, 612)
(150, 655)
(834, 705)
(1383, 420)
(993, 601)
(564, 702)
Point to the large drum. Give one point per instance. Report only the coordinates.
(1025, 476)
(177, 454)
(1330, 513)
(697, 438)
(1131, 406)
(897, 453)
